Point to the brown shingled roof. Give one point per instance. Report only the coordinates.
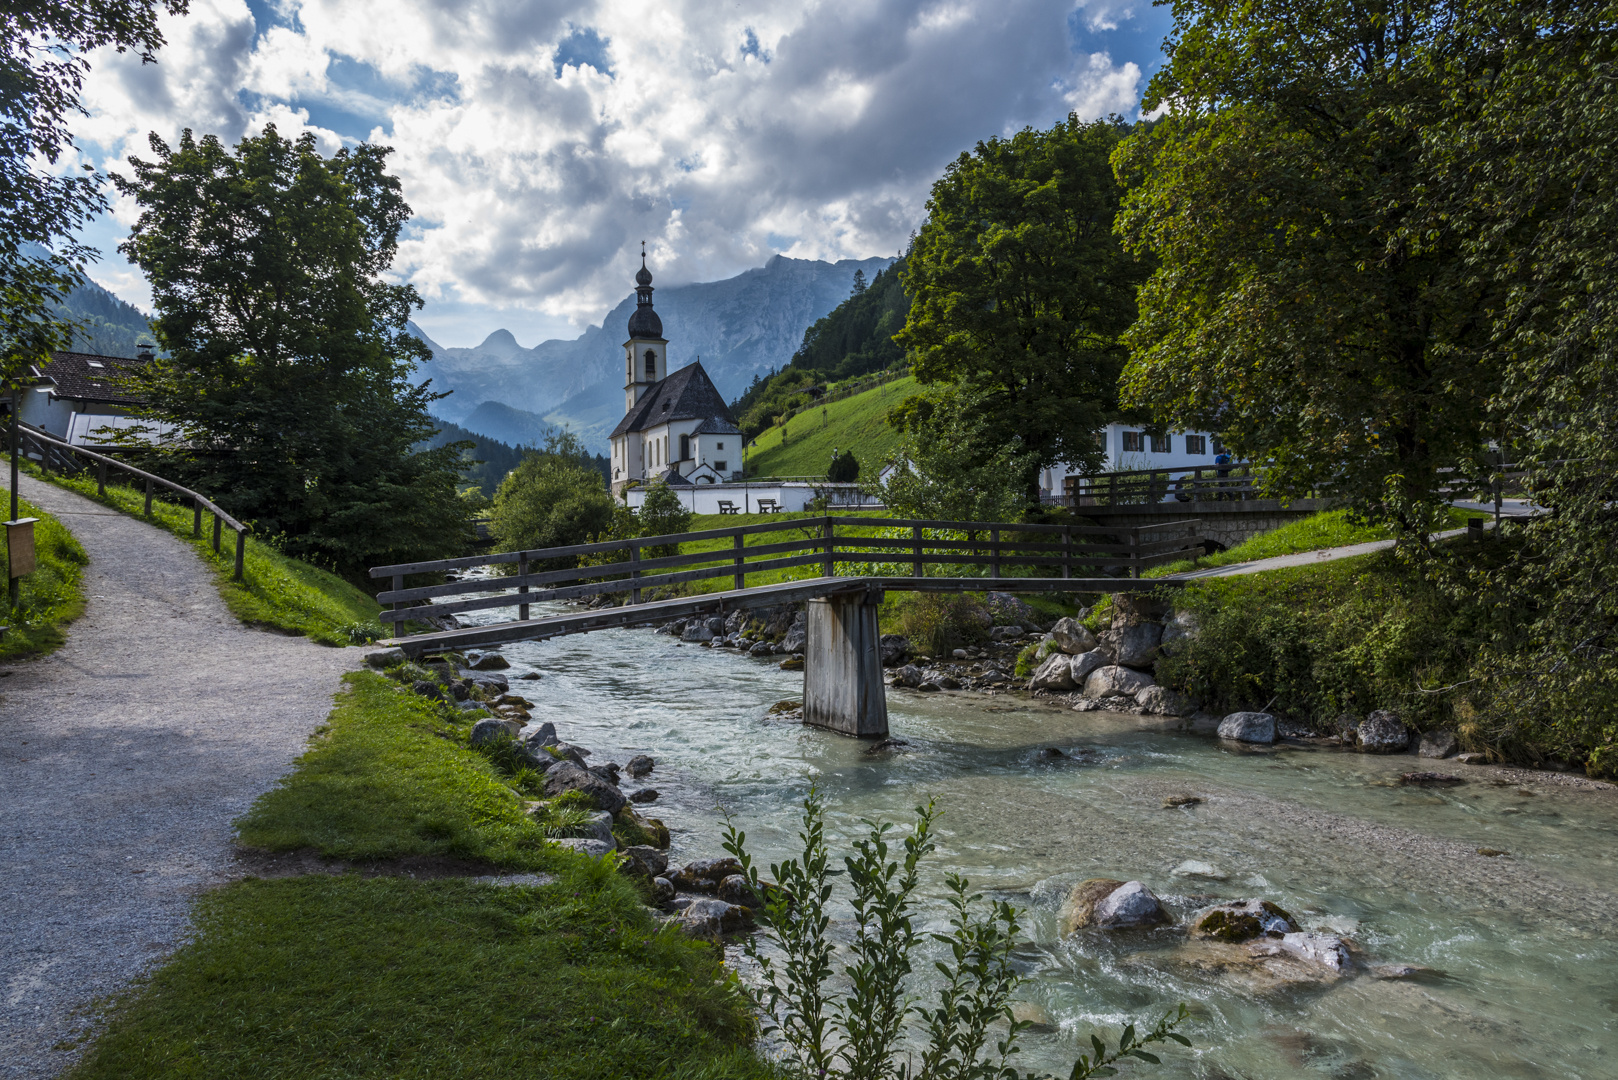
(688, 394)
(87, 377)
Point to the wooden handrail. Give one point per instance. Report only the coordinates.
(199, 502)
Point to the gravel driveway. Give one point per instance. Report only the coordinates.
(124, 756)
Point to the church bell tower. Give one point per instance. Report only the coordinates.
(646, 358)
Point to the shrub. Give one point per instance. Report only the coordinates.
(936, 623)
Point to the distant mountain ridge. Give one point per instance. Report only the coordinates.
(740, 327)
(107, 326)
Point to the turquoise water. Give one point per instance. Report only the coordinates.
(1521, 946)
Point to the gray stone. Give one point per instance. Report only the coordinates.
(598, 826)
(736, 889)
(761, 648)
(385, 658)
(795, 639)
(895, 649)
(1115, 681)
(566, 776)
(639, 765)
(486, 661)
(1161, 701)
(593, 848)
(653, 861)
(710, 919)
(704, 875)
(431, 690)
(1072, 637)
(1084, 664)
(736, 622)
(1008, 610)
(696, 631)
(662, 892)
(643, 795)
(1134, 644)
(1197, 869)
(1129, 906)
(1056, 673)
(909, 675)
(1248, 727)
(489, 681)
(541, 734)
(1243, 920)
(1382, 733)
(1181, 628)
(1326, 950)
(1005, 633)
(1439, 744)
(1078, 907)
(491, 731)
(607, 772)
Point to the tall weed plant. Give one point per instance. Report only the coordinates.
(856, 1016)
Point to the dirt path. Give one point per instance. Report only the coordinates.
(123, 759)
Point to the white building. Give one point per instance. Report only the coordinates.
(81, 397)
(1132, 447)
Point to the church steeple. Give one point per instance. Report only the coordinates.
(646, 351)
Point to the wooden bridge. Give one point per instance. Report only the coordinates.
(858, 559)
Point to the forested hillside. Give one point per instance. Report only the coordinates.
(494, 459)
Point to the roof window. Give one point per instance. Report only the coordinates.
(96, 363)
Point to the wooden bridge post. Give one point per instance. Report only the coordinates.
(741, 574)
(241, 553)
(1067, 551)
(634, 575)
(916, 569)
(148, 510)
(219, 523)
(398, 585)
(842, 671)
(828, 532)
(994, 553)
(522, 590)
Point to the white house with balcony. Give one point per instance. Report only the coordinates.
(1130, 447)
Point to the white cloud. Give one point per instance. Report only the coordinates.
(718, 133)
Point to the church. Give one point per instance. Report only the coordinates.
(676, 428)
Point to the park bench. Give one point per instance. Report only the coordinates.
(728, 507)
(769, 506)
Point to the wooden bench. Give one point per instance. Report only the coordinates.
(728, 507)
(768, 506)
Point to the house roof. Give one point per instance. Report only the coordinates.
(87, 377)
(717, 425)
(688, 394)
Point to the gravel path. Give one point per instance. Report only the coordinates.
(124, 756)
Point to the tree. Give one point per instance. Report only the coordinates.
(289, 362)
(1019, 292)
(1292, 308)
(554, 498)
(951, 465)
(663, 514)
(43, 50)
(844, 467)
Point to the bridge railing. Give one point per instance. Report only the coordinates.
(49, 453)
(1240, 481)
(887, 547)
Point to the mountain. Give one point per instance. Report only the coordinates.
(515, 427)
(740, 327)
(107, 325)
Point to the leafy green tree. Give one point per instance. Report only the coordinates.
(1020, 291)
(44, 49)
(663, 514)
(1293, 308)
(289, 364)
(952, 465)
(844, 467)
(554, 498)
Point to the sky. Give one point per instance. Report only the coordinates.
(540, 141)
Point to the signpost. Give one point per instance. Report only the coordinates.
(18, 532)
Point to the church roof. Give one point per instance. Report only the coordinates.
(671, 476)
(688, 394)
(717, 425)
(644, 323)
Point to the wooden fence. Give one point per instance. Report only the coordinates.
(51, 453)
(1238, 481)
(619, 566)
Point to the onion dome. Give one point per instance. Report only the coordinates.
(644, 323)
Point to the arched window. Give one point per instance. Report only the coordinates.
(651, 363)
(685, 447)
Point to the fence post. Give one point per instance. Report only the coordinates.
(241, 552)
(196, 517)
(994, 553)
(522, 590)
(828, 532)
(1134, 552)
(218, 523)
(101, 479)
(634, 575)
(916, 569)
(148, 510)
(741, 574)
(1112, 490)
(1067, 551)
(398, 606)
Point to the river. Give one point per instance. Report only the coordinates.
(1521, 946)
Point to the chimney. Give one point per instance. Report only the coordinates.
(145, 353)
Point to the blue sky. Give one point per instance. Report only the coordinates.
(539, 142)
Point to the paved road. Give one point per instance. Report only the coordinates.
(124, 757)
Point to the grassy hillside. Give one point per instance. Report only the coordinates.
(804, 446)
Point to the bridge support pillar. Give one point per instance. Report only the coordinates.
(842, 671)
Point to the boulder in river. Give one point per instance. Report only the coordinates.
(736, 889)
(649, 859)
(566, 776)
(643, 795)
(1078, 908)
(895, 649)
(1072, 637)
(1243, 921)
(910, 675)
(1130, 906)
(761, 648)
(1115, 680)
(541, 734)
(696, 630)
(1248, 727)
(1056, 673)
(1438, 744)
(797, 636)
(639, 765)
(704, 875)
(487, 661)
(1161, 701)
(1382, 733)
(1197, 869)
(1430, 779)
(710, 919)
(1327, 950)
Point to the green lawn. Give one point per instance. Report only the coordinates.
(50, 597)
(804, 446)
(1331, 528)
(279, 592)
(338, 976)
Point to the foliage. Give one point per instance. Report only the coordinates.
(1020, 292)
(954, 465)
(662, 514)
(937, 623)
(1327, 529)
(289, 357)
(484, 461)
(50, 597)
(44, 55)
(844, 467)
(554, 498)
(859, 1036)
(858, 422)
(277, 591)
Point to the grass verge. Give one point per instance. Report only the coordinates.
(805, 445)
(346, 976)
(1328, 529)
(50, 597)
(278, 592)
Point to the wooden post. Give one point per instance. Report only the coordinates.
(101, 479)
(522, 590)
(916, 568)
(741, 574)
(842, 674)
(398, 606)
(828, 532)
(1067, 551)
(994, 553)
(148, 510)
(218, 523)
(196, 517)
(241, 553)
(634, 575)
(1134, 553)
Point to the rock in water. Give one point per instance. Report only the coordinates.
(643, 795)
(910, 675)
(1431, 779)
(565, 776)
(540, 735)
(1193, 868)
(486, 661)
(735, 889)
(711, 919)
(1079, 906)
(895, 649)
(1438, 744)
(653, 861)
(1056, 673)
(1072, 636)
(704, 875)
(1181, 800)
(1383, 733)
(1322, 949)
(1248, 727)
(1248, 919)
(662, 892)
(1161, 701)
(639, 765)
(696, 631)
(1116, 681)
(1129, 906)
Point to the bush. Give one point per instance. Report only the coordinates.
(844, 468)
(937, 623)
(662, 514)
(555, 498)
